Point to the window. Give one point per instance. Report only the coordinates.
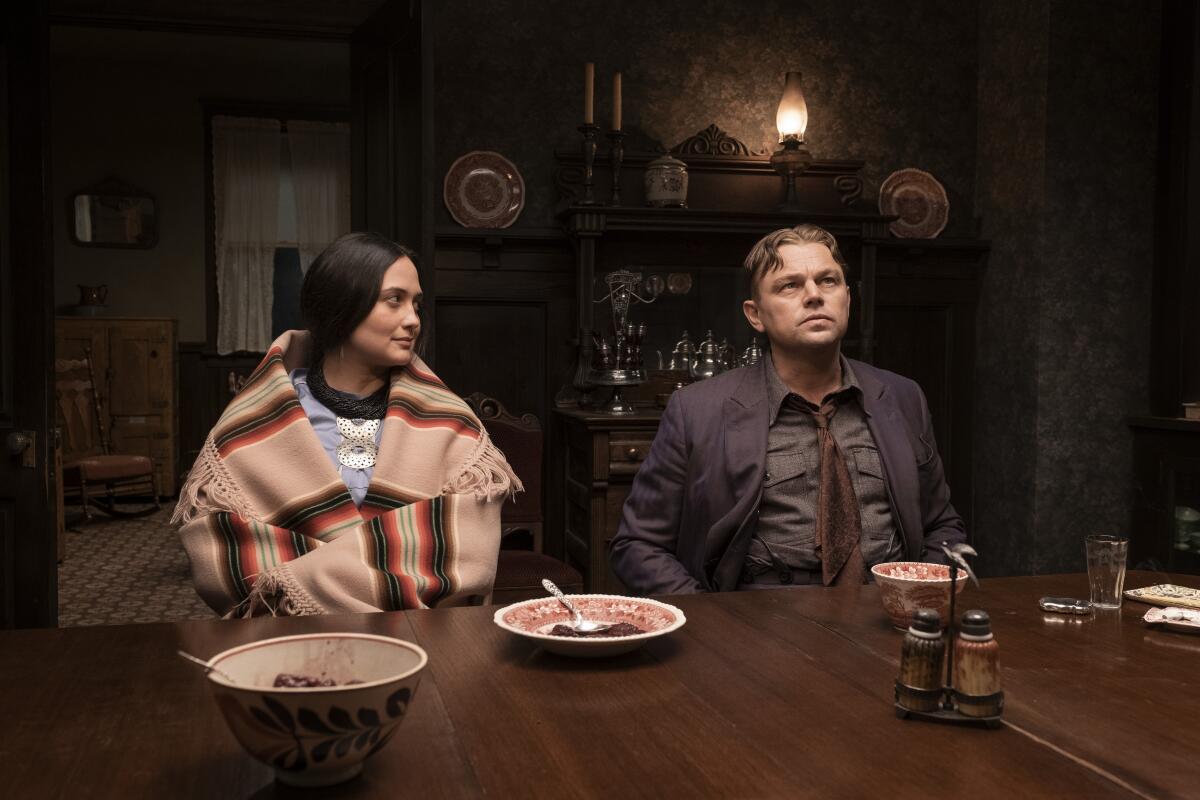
(280, 193)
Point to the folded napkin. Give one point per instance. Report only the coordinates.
(1166, 594)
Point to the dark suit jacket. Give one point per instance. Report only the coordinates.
(694, 503)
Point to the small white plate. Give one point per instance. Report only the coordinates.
(1186, 620)
(533, 620)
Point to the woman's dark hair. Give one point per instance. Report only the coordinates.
(342, 286)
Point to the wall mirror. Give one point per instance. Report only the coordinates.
(113, 214)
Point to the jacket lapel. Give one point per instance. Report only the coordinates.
(745, 438)
(887, 426)
(746, 423)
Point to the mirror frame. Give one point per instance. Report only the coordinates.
(114, 187)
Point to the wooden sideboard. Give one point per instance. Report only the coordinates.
(133, 360)
(601, 453)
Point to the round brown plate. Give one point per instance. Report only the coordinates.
(483, 189)
(918, 199)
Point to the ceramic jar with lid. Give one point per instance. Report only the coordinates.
(666, 182)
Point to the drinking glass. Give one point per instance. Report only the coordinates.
(1106, 569)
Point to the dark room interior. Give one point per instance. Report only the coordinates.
(1012, 186)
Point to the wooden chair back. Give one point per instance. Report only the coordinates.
(80, 406)
(522, 441)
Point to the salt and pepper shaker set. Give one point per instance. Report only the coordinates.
(968, 688)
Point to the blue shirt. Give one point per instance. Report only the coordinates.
(324, 422)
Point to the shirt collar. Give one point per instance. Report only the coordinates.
(778, 392)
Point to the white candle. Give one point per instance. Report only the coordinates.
(589, 74)
(616, 102)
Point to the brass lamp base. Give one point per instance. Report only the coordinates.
(790, 161)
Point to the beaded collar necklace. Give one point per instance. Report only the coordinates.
(373, 406)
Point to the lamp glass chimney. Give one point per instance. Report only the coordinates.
(792, 117)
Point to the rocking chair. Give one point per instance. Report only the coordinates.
(95, 469)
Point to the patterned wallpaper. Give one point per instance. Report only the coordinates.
(890, 83)
(1068, 108)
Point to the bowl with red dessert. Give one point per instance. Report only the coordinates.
(633, 621)
(314, 707)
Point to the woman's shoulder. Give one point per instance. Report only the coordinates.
(268, 394)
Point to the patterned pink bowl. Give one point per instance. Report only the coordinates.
(905, 586)
(533, 620)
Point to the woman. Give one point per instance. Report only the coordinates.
(345, 476)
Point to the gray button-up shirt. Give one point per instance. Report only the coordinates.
(787, 522)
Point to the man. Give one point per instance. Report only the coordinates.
(806, 468)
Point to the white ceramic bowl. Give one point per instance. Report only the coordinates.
(533, 620)
(321, 735)
(905, 586)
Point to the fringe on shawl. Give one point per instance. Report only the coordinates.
(209, 488)
(485, 473)
(276, 592)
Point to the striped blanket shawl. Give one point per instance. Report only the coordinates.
(270, 527)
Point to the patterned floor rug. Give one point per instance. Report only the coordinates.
(121, 571)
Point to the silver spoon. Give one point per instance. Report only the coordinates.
(206, 666)
(580, 624)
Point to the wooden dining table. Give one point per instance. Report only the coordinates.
(784, 693)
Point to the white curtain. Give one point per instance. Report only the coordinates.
(321, 175)
(246, 155)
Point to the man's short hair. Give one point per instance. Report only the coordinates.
(764, 258)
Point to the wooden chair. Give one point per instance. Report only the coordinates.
(93, 468)
(520, 569)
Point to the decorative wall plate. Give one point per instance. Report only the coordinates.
(918, 199)
(483, 189)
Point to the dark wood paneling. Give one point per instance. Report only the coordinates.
(510, 299)
(27, 480)
(1166, 472)
(916, 344)
(393, 187)
(497, 348)
(307, 19)
(926, 301)
(8, 586)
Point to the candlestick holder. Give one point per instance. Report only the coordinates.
(590, 133)
(616, 153)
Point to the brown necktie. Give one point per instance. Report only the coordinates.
(839, 526)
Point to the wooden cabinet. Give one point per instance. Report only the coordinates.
(133, 361)
(1165, 530)
(601, 454)
(913, 312)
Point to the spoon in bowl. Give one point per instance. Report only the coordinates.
(578, 623)
(206, 666)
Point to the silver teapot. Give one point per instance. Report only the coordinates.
(752, 354)
(708, 360)
(682, 355)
